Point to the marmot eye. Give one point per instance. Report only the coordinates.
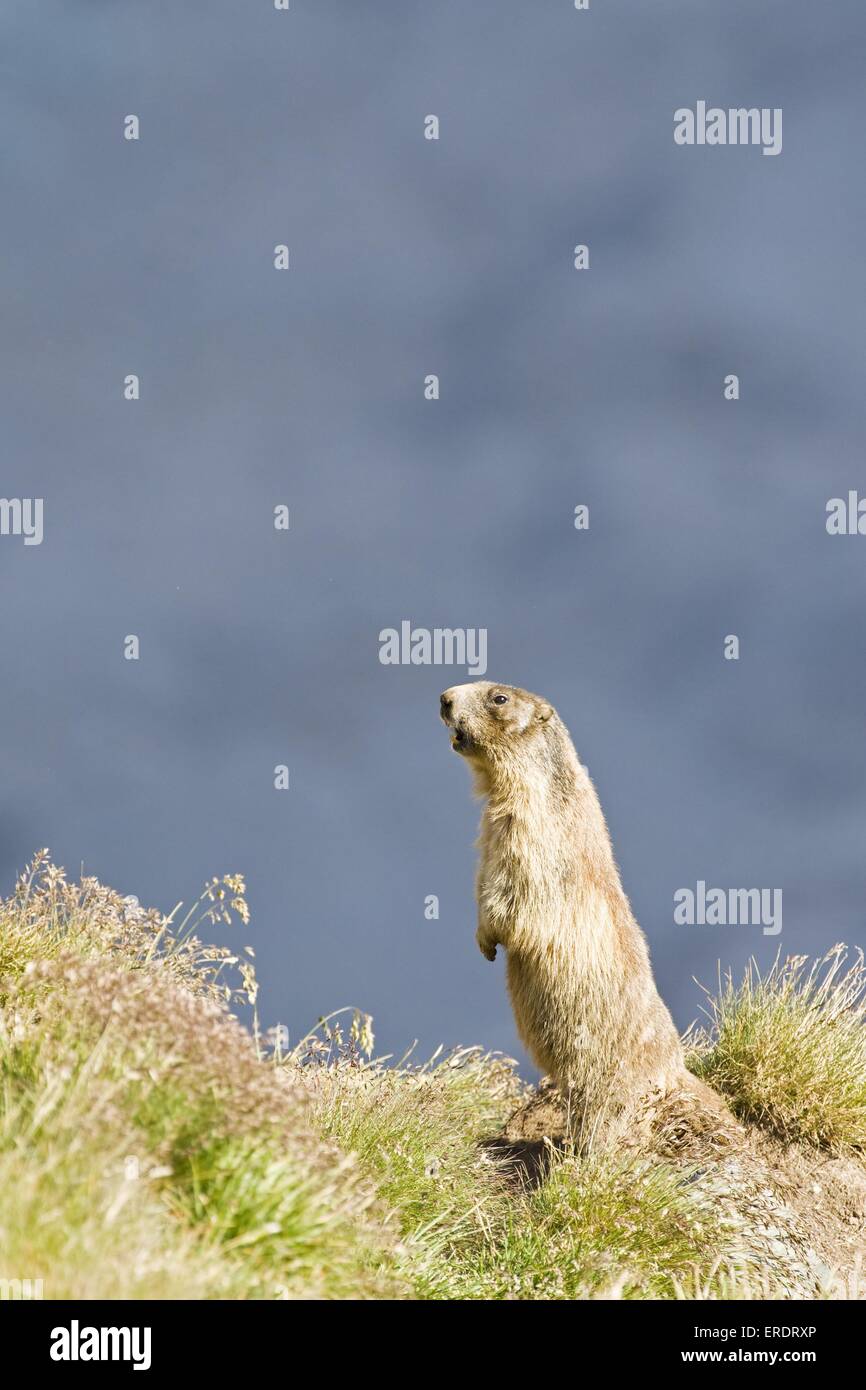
(500, 699)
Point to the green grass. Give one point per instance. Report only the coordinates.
(150, 1149)
(145, 1147)
(469, 1231)
(788, 1050)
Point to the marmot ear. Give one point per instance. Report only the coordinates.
(544, 713)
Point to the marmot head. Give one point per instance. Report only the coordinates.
(492, 721)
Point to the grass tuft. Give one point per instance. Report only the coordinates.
(788, 1049)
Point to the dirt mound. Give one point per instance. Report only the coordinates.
(791, 1211)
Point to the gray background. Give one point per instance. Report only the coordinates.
(603, 387)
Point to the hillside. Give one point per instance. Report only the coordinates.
(151, 1147)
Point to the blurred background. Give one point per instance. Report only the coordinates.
(604, 387)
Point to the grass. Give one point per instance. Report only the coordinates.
(150, 1147)
(145, 1147)
(468, 1233)
(788, 1050)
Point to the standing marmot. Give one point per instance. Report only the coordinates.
(549, 891)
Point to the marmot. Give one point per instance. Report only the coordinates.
(549, 892)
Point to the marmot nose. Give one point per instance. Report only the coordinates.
(445, 704)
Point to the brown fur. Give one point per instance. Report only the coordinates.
(549, 893)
